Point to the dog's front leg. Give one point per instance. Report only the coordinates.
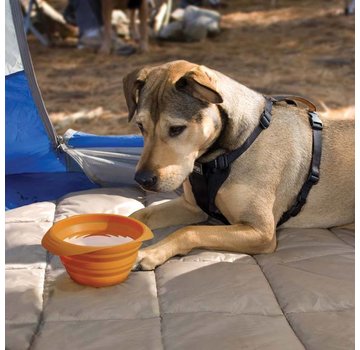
(174, 212)
(235, 238)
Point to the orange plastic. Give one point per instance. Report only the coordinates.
(97, 266)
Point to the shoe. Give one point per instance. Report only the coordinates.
(125, 50)
(90, 39)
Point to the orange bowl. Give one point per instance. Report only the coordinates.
(97, 265)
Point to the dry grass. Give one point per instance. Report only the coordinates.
(299, 47)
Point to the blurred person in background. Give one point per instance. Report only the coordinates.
(95, 32)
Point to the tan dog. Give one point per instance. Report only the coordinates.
(176, 108)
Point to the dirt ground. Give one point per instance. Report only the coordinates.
(300, 47)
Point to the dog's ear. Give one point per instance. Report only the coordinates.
(198, 83)
(132, 84)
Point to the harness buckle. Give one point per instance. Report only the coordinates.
(221, 162)
(315, 121)
(265, 119)
(314, 177)
(198, 169)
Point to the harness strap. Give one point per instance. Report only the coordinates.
(207, 178)
(314, 173)
(223, 161)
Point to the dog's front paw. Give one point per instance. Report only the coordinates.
(148, 259)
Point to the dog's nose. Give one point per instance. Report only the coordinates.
(147, 179)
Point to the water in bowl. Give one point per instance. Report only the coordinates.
(98, 240)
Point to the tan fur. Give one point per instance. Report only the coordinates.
(263, 182)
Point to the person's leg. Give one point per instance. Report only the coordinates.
(89, 21)
(69, 13)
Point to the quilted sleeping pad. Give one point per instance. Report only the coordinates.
(300, 297)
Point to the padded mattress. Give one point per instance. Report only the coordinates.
(300, 297)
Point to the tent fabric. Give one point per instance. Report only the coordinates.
(29, 70)
(107, 160)
(24, 189)
(300, 297)
(30, 140)
(13, 61)
(78, 139)
(27, 145)
(107, 168)
(32, 147)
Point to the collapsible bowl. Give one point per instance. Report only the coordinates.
(96, 266)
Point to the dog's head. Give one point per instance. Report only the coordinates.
(174, 106)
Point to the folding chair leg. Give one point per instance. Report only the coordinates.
(28, 26)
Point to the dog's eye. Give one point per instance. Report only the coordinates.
(141, 127)
(176, 130)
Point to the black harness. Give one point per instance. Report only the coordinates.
(207, 178)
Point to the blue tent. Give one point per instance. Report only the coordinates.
(39, 164)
